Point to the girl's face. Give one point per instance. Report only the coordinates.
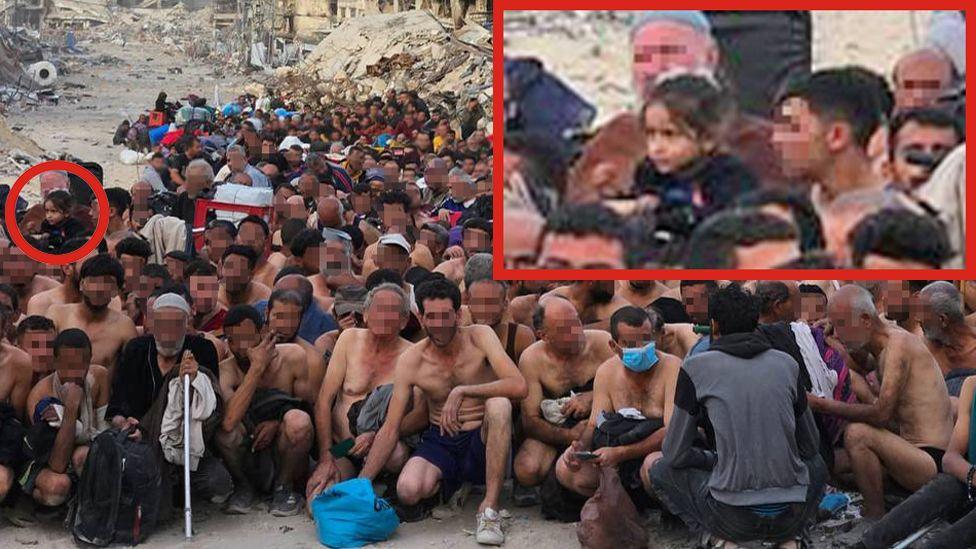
(52, 214)
(669, 145)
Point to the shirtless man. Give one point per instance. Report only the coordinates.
(594, 300)
(254, 233)
(641, 293)
(950, 339)
(285, 310)
(204, 286)
(101, 279)
(347, 309)
(913, 395)
(35, 335)
(899, 297)
(237, 285)
(488, 305)
(363, 360)
(470, 409)
(637, 376)
(16, 380)
(564, 361)
(335, 267)
(67, 291)
(82, 389)
(255, 366)
(20, 272)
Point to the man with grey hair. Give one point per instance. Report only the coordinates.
(462, 190)
(488, 305)
(56, 180)
(237, 163)
(951, 340)
(335, 265)
(198, 183)
(913, 397)
(363, 361)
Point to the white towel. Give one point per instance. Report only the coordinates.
(202, 405)
(822, 379)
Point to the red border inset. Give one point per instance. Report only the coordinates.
(10, 213)
(502, 273)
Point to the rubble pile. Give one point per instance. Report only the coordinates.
(29, 68)
(175, 29)
(365, 56)
(17, 151)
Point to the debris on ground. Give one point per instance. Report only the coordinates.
(366, 56)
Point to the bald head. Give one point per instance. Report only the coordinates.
(920, 78)
(856, 299)
(330, 212)
(295, 282)
(53, 181)
(295, 208)
(559, 325)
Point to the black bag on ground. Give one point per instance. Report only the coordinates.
(557, 502)
(119, 492)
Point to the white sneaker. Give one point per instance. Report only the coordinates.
(490, 528)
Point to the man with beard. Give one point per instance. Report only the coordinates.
(363, 359)
(100, 281)
(594, 300)
(488, 305)
(237, 286)
(74, 398)
(20, 272)
(779, 300)
(475, 238)
(470, 409)
(561, 364)
(254, 233)
(313, 320)
(913, 396)
(695, 295)
(641, 293)
(218, 236)
(285, 310)
(148, 363)
(262, 372)
(950, 339)
(133, 253)
(900, 305)
(203, 285)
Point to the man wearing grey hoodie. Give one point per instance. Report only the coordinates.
(757, 474)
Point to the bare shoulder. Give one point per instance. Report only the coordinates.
(597, 336)
(99, 373)
(670, 362)
(607, 369)
(291, 352)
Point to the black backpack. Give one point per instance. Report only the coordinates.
(119, 492)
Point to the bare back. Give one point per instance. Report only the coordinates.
(108, 334)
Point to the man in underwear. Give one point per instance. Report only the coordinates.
(72, 401)
(259, 371)
(101, 280)
(68, 291)
(950, 340)
(20, 272)
(637, 376)
(913, 395)
(363, 359)
(561, 364)
(202, 282)
(237, 285)
(594, 300)
(470, 409)
(488, 305)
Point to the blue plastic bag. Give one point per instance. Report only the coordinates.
(349, 514)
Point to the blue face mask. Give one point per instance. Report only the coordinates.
(639, 359)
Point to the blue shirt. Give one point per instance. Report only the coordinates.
(315, 321)
(701, 346)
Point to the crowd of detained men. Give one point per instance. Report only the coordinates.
(850, 169)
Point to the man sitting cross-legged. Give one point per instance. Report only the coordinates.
(470, 435)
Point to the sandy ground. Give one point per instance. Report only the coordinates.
(591, 51)
(105, 85)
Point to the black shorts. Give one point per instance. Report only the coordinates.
(460, 458)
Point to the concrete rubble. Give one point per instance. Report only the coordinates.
(365, 56)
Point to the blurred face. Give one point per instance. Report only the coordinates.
(968, 289)
(394, 216)
(487, 302)
(460, 189)
(898, 300)
(175, 268)
(133, 266)
(436, 176)
(334, 260)
(362, 203)
(310, 263)
(39, 344)
(853, 330)
(567, 251)
(285, 319)
(633, 337)
(662, 46)
(18, 268)
(217, 241)
(169, 330)
(236, 161)
(935, 327)
(521, 246)
(356, 159)
(920, 80)
(52, 181)
(440, 320)
(52, 214)
(799, 139)
(307, 184)
(475, 241)
(813, 307)
(240, 338)
(236, 273)
(252, 236)
(914, 141)
(98, 291)
(384, 317)
(562, 329)
(429, 239)
(203, 290)
(695, 300)
(392, 257)
(72, 365)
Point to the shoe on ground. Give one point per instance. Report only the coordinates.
(525, 496)
(286, 502)
(241, 501)
(490, 528)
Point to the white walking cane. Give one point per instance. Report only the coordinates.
(188, 513)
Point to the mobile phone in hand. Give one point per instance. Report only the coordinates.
(585, 456)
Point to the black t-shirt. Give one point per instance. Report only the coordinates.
(138, 379)
(186, 206)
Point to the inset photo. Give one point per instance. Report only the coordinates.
(733, 140)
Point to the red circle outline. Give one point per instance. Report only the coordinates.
(10, 213)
